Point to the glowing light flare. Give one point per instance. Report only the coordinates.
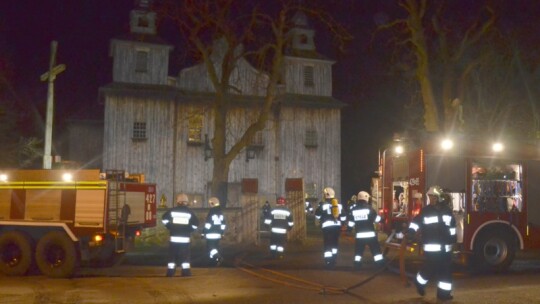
(3, 178)
(497, 147)
(398, 150)
(98, 238)
(67, 177)
(447, 144)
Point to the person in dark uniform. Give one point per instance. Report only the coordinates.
(437, 226)
(330, 215)
(181, 222)
(362, 217)
(214, 228)
(280, 221)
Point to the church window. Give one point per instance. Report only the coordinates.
(308, 76)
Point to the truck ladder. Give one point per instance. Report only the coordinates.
(117, 200)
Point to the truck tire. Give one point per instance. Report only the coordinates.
(56, 255)
(494, 251)
(16, 253)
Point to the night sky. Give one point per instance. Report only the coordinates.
(83, 29)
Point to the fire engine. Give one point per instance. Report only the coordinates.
(495, 197)
(57, 220)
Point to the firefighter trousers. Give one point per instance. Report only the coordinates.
(331, 242)
(277, 242)
(374, 246)
(179, 255)
(437, 265)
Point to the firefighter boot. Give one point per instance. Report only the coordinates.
(186, 272)
(444, 296)
(357, 265)
(170, 272)
(420, 289)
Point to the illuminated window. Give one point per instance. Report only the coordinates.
(139, 131)
(311, 139)
(308, 76)
(195, 126)
(141, 64)
(496, 186)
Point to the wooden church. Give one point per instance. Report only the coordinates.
(159, 125)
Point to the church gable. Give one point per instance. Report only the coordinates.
(244, 80)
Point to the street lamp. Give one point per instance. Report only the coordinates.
(398, 150)
(250, 153)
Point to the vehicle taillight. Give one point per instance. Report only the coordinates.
(137, 233)
(98, 238)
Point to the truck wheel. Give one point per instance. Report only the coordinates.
(495, 251)
(56, 255)
(16, 253)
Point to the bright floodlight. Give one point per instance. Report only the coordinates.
(497, 147)
(3, 177)
(447, 144)
(67, 177)
(398, 149)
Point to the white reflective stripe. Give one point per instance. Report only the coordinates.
(358, 212)
(222, 227)
(432, 247)
(399, 235)
(452, 231)
(207, 225)
(267, 221)
(431, 220)
(377, 218)
(326, 207)
(213, 236)
(421, 280)
(330, 223)
(165, 222)
(378, 257)
(351, 224)
(280, 249)
(217, 219)
(448, 248)
(186, 265)
(445, 286)
(363, 235)
(279, 230)
(171, 265)
(213, 252)
(273, 247)
(181, 218)
(447, 219)
(327, 254)
(194, 227)
(180, 239)
(291, 224)
(357, 258)
(413, 226)
(281, 212)
(334, 250)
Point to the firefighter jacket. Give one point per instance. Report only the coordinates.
(362, 217)
(280, 220)
(180, 221)
(326, 214)
(214, 226)
(437, 226)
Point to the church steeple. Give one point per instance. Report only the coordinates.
(301, 34)
(142, 19)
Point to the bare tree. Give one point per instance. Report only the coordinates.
(246, 31)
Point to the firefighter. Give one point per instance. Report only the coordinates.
(181, 222)
(280, 222)
(266, 211)
(330, 215)
(362, 218)
(214, 228)
(437, 226)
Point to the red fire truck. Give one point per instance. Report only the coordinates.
(496, 200)
(57, 219)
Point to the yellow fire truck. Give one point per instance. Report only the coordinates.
(59, 219)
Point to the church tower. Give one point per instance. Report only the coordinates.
(141, 56)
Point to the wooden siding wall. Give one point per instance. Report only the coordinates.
(152, 157)
(284, 154)
(125, 55)
(245, 79)
(322, 77)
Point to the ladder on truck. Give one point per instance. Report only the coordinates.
(117, 201)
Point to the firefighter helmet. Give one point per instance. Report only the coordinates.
(436, 191)
(182, 199)
(329, 192)
(281, 201)
(363, 195)
(213, 201)
(445, 199)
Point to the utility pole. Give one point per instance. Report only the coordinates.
(50, 76)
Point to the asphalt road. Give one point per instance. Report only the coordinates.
(250, 276)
